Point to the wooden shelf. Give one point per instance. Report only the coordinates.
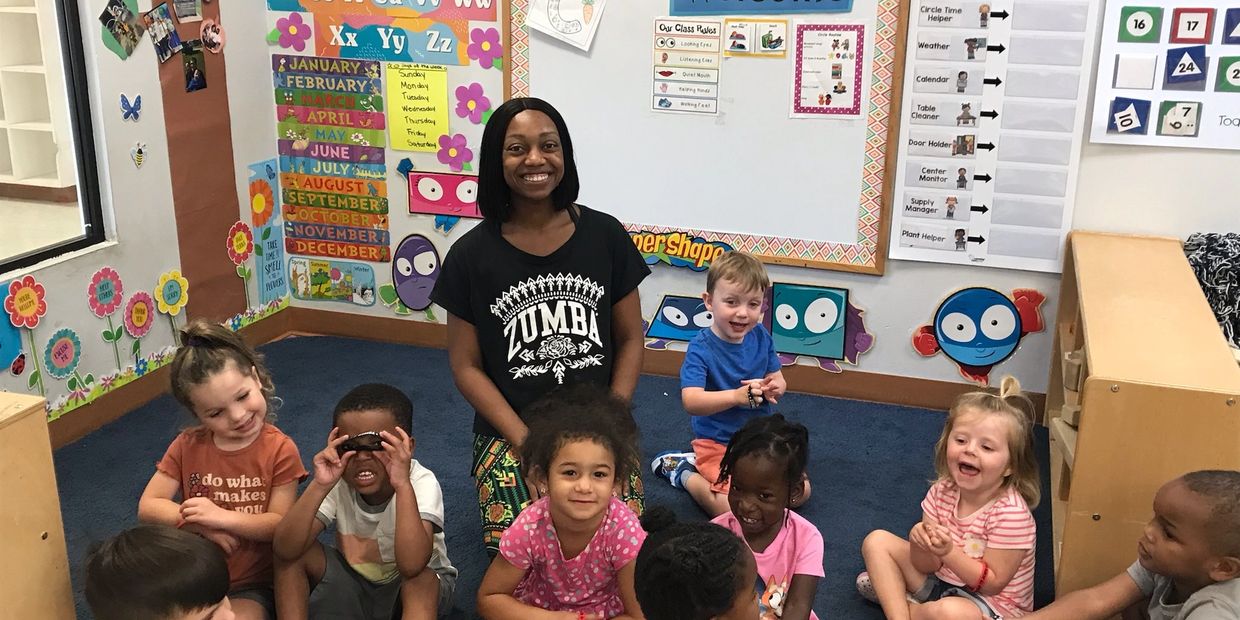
(1158, 396)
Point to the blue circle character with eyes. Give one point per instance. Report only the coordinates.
(980, 327)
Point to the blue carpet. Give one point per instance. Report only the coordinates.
(869, 463)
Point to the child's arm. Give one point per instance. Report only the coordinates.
(698, 401)
(628, 341)
(413, 534)
(1101, 601)
(496, 602)
(800, 599)
(774, 386)
(297, 531)
(628, 593)
(465, 359)
(156, 504)
(260, 527)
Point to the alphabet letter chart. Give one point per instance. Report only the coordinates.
(993, 119)
(1169, 74)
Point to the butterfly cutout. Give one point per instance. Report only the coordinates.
(130, 112)
(271, 172)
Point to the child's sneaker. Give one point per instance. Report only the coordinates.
(672, 465)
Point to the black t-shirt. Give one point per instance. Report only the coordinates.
(542, 321)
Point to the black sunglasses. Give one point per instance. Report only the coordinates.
(362, 442)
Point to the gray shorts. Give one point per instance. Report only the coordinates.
(343, 594)
(934, 589)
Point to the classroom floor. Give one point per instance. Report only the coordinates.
(869, 462)
(37, 225)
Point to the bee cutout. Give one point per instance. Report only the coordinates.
(138, 154)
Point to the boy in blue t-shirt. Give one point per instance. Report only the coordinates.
(730, 374)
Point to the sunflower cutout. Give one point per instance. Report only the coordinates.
(171, 295)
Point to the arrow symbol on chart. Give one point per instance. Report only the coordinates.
(992, 81)
(989, 114)
(985, 178)
(977, 239)
(995, 48)
(977, 209)
(986, 145)
(999, 14)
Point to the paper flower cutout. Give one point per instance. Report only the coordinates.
(25, 302)
(471, 102)
(62, 353)
(262, 202)
(240, 244)
(452, 151)
(104, 292)
(172, 293)
(485, 46)
(140, 367)
(139, 314)
(293, 32)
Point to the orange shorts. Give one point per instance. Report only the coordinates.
(709, 455)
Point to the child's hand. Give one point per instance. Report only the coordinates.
(749, 395)
(940, 539)
(920, 537)
(396, 455)
(328, 463)
(204, 512)
(773, 387)
(228, 542)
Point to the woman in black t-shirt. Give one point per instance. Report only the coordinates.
(542, 293)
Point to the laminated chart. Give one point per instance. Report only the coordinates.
(687, 54)
(990, 139)
(331, 126)
(1169, 74)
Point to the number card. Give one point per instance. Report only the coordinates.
(1228, 75)
(1179, 118)
(1186, 65)
(1140, 24)
(1231, 27)
(1129, 116)
(1191, 25)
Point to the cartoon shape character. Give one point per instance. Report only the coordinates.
(443, 193)
(679, 318)
(978, 328)
(808, 320)
(774, 593)
(415, 268)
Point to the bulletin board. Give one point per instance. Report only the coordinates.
(805, 192)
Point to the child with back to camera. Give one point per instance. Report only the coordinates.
(693, 571)
(1188, 559)
(236, 474)
(972, 554)
(730, 375)
(388, 511)
(570, 554)
(156, 572)
(766, 466)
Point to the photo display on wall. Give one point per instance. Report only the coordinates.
(990, 139)
(1169, 74)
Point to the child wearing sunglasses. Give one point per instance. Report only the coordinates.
(388, 511)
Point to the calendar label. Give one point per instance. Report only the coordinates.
(1228, 75)
(1192, 25)
(1140, 24)
(1179, 118)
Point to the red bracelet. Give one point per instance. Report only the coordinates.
(981, 581)
(581, 615)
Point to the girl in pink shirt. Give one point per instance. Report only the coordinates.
(971, 556)
(765, 462)
(569, 555)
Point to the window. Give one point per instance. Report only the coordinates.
(49, 189)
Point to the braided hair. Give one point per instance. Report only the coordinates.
(774, 437)
(687, 571)
(207, 348)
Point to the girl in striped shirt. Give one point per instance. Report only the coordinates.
(971, 555)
